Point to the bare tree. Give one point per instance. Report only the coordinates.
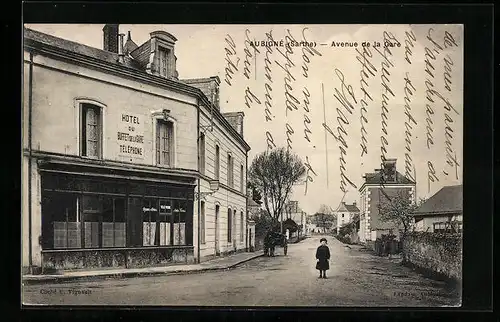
(274, 173)
(398, 209)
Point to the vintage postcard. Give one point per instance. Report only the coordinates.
(242, 165)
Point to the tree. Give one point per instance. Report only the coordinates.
(274, 173)
(324, 218)
(398, 209)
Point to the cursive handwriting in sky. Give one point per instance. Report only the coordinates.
(342, 97)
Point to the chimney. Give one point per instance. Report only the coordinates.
(354, 203)
(110, 38)
(236, 120)
(121, 55)
(389, 170)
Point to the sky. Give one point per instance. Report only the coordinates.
(403, 102)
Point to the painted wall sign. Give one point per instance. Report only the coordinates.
(130, 136)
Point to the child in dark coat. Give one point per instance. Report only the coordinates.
(322, 257)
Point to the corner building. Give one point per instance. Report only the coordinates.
(125, 164)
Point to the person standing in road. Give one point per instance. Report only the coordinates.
(322, 258)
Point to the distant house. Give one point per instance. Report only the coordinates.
(441, 211)
(295, 217)
(253, 207)
(379, 185)
(345, 214)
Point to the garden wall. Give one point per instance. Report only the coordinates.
(438, 253)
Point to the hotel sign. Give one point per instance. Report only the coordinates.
(130, 136)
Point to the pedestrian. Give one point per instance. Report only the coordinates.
(322, 258)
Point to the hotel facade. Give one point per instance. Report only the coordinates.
(123, 163)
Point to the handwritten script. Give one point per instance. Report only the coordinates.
(393, 97)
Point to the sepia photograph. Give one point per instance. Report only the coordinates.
(242, 165)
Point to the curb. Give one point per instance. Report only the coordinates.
(65, 279)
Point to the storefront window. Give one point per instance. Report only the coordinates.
(62, 209)
(93, 220)
(150, 219)
(180, 222)
(104, 221)
(166, 219)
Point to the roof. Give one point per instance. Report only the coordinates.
(252, 203)
(37, 39)
(346, 207)
(352, 208)
(447, 200)
(376, 178)
(102, 55)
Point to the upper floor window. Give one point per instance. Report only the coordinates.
(91, 131)
(230, 173)
(163, 61)
(202, 153)
(164, 142)
(241, 179)
(217, 162)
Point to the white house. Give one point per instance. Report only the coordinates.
(445, 207)
(345, 214)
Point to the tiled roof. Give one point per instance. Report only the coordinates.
(352, 208)
(102, 55)
(447, 200)
(375, 178)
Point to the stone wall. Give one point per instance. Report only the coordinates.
(440, 254)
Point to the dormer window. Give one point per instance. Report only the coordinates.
(160, 50)
(163, 54)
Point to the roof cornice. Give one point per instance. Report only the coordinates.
(127, 72)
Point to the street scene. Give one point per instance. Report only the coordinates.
(356, 278)
(233, 165)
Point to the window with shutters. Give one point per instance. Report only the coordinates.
(164, 143)
(91, 131)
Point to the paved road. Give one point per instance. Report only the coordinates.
(355, 278)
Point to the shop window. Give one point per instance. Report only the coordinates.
(217, 162)
(103, 221)
(165, 220)
(91, 130)
(202, 153)
(113, 223)
(229, 225)
(164, 143)
(62, 211)
(150, 235)
(180, 211)
(202, 222)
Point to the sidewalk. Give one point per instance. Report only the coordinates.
(215, 264)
